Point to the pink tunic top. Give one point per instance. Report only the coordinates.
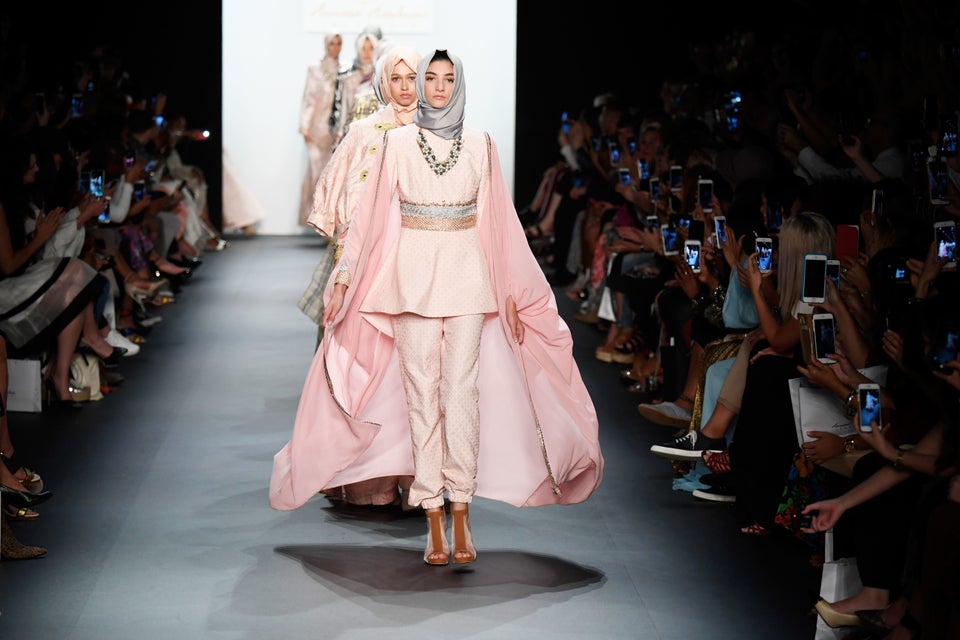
(438, 268)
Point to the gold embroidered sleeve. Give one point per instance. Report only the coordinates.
(343, 275)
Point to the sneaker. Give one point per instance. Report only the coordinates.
(147, 320)
(688, 447)
(719, 493)
(718, 462)
(117, 339)
(668, 414)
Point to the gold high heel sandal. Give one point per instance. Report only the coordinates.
(463, 549)
(438, 551)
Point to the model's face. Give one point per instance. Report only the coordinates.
(438, 83)
(30, 175)
(334, 47)
(366, 51)
(403, 88)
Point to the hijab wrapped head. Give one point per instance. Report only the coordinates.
(446, 122)
(358, 62)
(392, 55)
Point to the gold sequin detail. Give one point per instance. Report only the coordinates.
(438, 224)
(363, 175)
(384, 126)
(372, 148)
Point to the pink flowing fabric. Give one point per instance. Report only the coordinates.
(538, 426)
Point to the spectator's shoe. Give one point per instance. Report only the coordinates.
(688, 447)
(717, 493)
(148, 320)
(116, 339)
(718, 462)
(13, 549)
(668, 414)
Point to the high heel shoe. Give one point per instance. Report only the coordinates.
(463, 549)
(23, 498)
(438, 551)
(834, 618)
(52, 397)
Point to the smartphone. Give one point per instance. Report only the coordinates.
(624, 176)
(653, 222)
(150, 166)
(676, 178)
(946, 236)
(632, 145)
(84, 182)
(76, 105)
(643, 169)
(833, 272)
(917, 154)
(896, 271)
(105, 214)
(720, 227)
(669, 234)
(654, 189)
(596, 144)
(614, 149)
(96, 184)
(937, 180)
(139, 190)
(774, 216)
(848, 241)
(876, 202)
(158, 120)
(947, 143)
(691, 253)
(869, 396)
(824, 337)
(129, 158)
(684, 220)
(577, 181)
(946, 351)
(814, 288)
(764, 248)
(705, 194)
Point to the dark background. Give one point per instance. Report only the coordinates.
(567, 53)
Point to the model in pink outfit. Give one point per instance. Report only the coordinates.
(439, 212)
(335, 200)
(321, 123)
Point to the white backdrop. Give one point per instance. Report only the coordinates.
(266, 52)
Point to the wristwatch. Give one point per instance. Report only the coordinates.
(849, 445)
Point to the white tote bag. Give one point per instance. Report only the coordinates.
(840, 579)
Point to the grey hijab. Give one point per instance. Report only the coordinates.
(448, 121)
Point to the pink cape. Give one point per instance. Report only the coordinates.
(538, 426)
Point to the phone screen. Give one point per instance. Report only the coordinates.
(948, 135)
(128, 159)
(669, 240)
(692, 255)
(720, 225)
(705, 194)
(139, 190)
(764, 254)
(946, 351)
(105, 214)
(676, 178)
(833, 272)
(947, 242)
(654, 189)
(96, 184)
(938, 180)
(824, 337)
(814, 279)
(774, 216)
(625, 176)
(869, 407)
(76, 105)
(643, 168)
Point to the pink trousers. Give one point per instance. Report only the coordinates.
(439, 362)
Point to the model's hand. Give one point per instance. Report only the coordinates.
(513, 319)
(336, 302)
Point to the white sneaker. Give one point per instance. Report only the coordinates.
(117, 339)
(668, 414)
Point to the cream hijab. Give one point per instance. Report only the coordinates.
(446, 122)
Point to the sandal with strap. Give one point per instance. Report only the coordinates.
(755, 529)
(463, 549)
(438, 551)
(717, 462)
(31, 481)
(20, 513)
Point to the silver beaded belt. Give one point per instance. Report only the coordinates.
(438, 217)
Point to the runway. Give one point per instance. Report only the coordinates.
(160, 526)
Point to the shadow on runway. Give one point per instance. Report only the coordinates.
(379, 570)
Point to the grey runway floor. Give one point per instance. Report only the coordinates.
(160, 526)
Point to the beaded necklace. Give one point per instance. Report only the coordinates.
(438, 167)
